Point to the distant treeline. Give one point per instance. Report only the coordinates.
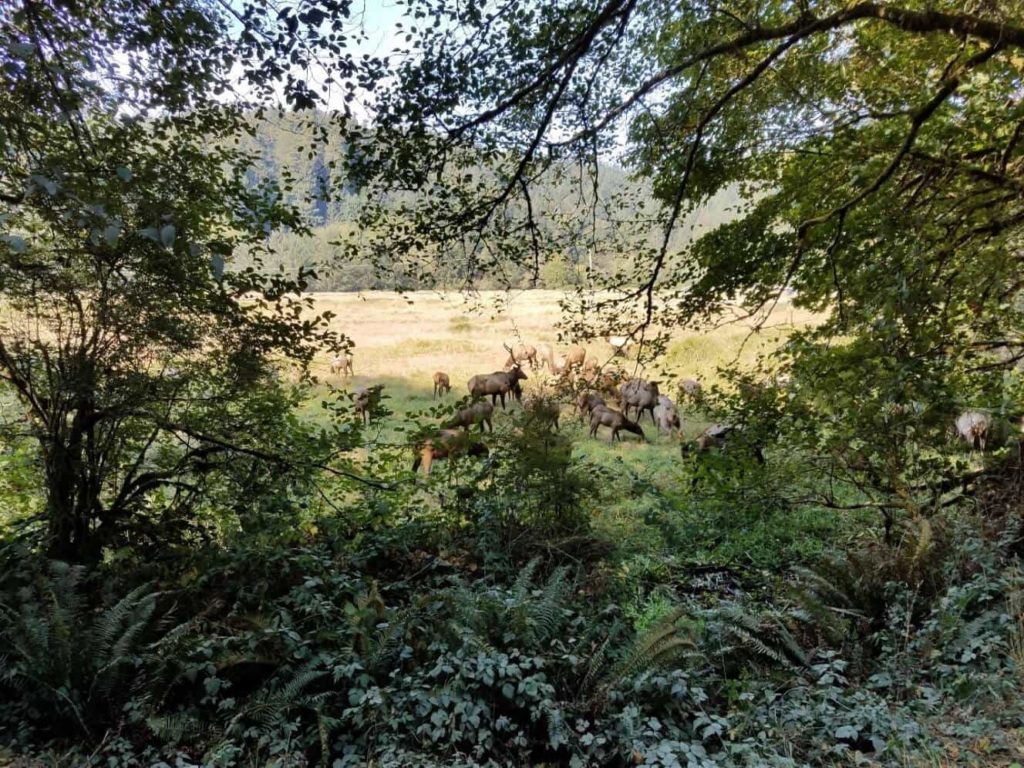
(314, 180)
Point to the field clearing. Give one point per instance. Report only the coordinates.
(408, 337)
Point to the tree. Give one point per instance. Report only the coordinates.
(877, 147)
(144, 365)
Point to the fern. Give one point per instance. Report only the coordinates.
(763, 636)
(65, 658)
(660, 647)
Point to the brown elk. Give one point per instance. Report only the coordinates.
(477, 413)
(365, 400)
(442, 384)
(601, 416)
(544, 410)
(342, 364)
(718, 436)
(447, 443)
(497, 385)
(587, 402)
(521, 354)
(641, 395)
(607, 382)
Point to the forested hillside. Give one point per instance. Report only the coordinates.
(314, 180)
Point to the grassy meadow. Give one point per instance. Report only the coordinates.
(400, 341)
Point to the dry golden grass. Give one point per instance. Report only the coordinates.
(410, 337)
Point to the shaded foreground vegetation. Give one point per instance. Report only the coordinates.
(208, 558)
(504, 614)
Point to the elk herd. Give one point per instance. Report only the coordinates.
(605, 397)
(595, 386)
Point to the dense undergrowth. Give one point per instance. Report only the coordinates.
(504, 628)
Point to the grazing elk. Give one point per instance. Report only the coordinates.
(442, 384)
(447, 443)
(480, 412)
(342, 364)
(497, 385)
(666, 415)
(574, 358)
(602, 416)
(973, 427)
(718, 436)
(641, 395)
(587, 402)
(366, 400)
(521, 354)
(690, 388)
(619, 344)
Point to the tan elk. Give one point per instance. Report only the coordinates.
(366, 400)
(619, 344)
(480, 412)
(972, 427)
(606, 417)
(574, 358)
(442, 384)
(641, 395)
(447, 443)
(523, 353)
(666, 416)
(690, 388)
(497, 385)
(342, 364)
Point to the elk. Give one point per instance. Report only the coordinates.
(602, 416)
(587, 402)
(574, 358)
(366, 399)
(718, 436)
(619, 344)
(639, 394)
(666, 415)
(342, 364)
(543, 409)
(447, 443)
(689, 388)
(497, 385)
(972, 427)
(480, 412)
(442, 384)
(607, 382)
(522, 353)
